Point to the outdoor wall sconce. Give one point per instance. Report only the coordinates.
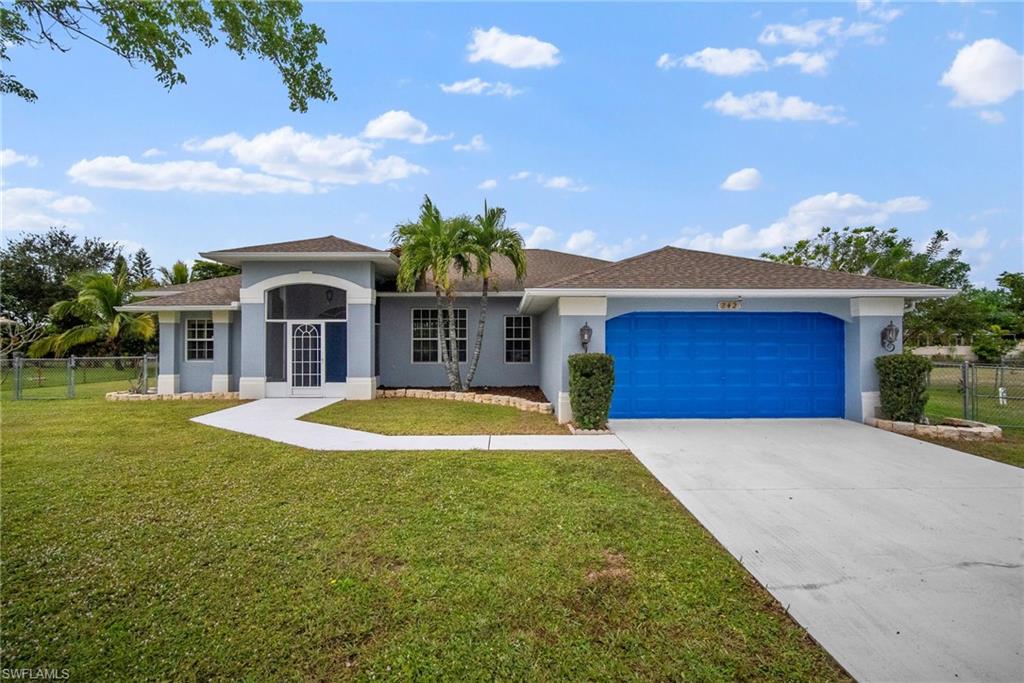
(585, 335)
(329, 293)
(890, 333)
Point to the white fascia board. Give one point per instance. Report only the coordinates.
(143, 308)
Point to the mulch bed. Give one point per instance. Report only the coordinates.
(529, 393)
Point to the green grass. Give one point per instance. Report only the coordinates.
(137, 544)
(1009, 451)
(946, 400)
(427, 416)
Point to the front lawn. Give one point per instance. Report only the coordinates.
(1010, 450)
(137, 544)
(411, 416)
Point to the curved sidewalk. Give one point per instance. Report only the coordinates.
(277, 419)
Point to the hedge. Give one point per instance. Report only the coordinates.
(591, 380)
(903, 383)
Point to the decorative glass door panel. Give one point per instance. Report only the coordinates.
(306, 358)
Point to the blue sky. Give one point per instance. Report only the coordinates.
(602, 129)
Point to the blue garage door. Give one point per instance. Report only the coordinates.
(732, 364)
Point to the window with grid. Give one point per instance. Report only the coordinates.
(518, 339)
(199, 339)
(425, 345)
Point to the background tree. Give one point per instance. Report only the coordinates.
(142, 269)
(177, 274)
(488, 237)
(95, 304)
(207, 270)
(436, 247)
(35, 269)
(160, 33)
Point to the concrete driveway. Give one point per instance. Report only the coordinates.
(903, 559)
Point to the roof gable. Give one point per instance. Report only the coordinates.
(313, 245)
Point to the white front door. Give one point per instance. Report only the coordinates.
(306, 358)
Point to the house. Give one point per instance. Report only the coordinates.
(693, 334)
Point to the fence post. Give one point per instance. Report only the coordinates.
(965, 380)
(19, 364)
(145, 372)
(72, 362)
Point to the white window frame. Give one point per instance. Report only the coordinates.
(189, 338)
(504, 349)
(412, 316)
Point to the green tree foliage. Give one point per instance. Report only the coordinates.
(95, 304)
(142, 268)
(879, 253)
(992, 344)
(177, 274)
(160, 33)
(35, 269)
(488, 238)
(207, 270)
(436, 247)
(1013, 283)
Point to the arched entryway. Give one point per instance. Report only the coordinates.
(306, 339)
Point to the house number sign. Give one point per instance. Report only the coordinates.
(729, 305)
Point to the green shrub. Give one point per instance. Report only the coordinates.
(591, 380)
(990, 345)
(903, 383)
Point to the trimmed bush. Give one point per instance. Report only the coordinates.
(591, 380)
(903, 383)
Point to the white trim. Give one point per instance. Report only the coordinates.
(354, 293)
(185, 339)
(505, 339)
(869, 400)
(890, 306)
(439, 355)
(582, 305)
(252, 387)
(318, 390)
(564, 407)
(168, 317)
(219, 383)
(361, 388)
(221, 317)
(167, 384)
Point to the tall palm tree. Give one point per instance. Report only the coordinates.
(488, 237)
(437, 247)
(175, 275)
(99, 296)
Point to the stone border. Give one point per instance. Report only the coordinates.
(951, 429)
(577, 430)
(470, 397)
(185, 396)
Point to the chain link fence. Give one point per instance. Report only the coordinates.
(974, 391)
(75, 377)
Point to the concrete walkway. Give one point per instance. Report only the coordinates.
(277, 419)
(902, 558)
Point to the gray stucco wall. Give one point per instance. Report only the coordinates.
(398, 370)
(549, 329)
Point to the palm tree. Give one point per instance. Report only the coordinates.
(175, 275)
(488, 237)
(435, 246)
(99, 296)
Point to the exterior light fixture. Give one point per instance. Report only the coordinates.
(585, 335)
(329, 293)
(890, 333)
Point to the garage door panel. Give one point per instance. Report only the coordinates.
(727, 364)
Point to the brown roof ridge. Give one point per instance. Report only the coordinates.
(257, 247)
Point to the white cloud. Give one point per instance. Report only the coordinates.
(808, 34)
(328, 160)
(743, 180)
(815, 63)
(985, 72)
(189, 176)
(476, 144)
(478, 86)
(587, 243)
(804, 219)
(560, 182)
(991, 116)
(718, 61)
(879, 10)
(514, 51)
(8, 157)
(768, 104)
(539, 237)
(488, 184)
(400, 125)
(978, 240)
(152, 152)
(955, 36)
(33, 209)
(580, 242)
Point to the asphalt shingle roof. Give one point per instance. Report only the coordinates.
(326, 244)
(218, 291)
(675, 268)
(542, 265)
